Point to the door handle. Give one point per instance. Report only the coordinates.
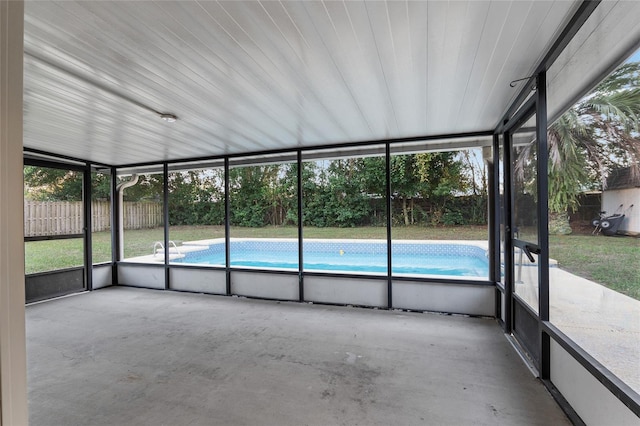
(529, 249)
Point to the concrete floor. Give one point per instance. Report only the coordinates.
(124, 356)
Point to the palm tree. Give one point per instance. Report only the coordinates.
(598, 134)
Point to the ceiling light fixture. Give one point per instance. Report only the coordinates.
(169, 118)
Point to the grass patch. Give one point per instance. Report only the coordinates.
(611, 261)
(41, 256)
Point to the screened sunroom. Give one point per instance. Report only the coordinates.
(373, 157)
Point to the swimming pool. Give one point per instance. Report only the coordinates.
(451, 259)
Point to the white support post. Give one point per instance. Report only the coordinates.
(13, 360)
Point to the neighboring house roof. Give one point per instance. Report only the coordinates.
(622, 179)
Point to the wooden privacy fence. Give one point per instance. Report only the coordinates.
(142, 215)
(47, 218)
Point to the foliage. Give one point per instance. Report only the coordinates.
(48, 184)
(352, 190)
(258, 194)
(474, 171)
(336, 193)
(196, 197)
(53, 184)
(100, 187)
(148, 188)
(598, 134)
(452, 217)
(427, 188)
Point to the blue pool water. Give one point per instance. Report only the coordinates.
(349, 256)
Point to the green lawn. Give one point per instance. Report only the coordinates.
(612, 261)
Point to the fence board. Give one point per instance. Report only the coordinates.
(50, 218)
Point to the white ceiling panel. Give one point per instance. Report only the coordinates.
(251, 76)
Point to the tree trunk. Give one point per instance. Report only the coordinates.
(559, 223)
(405, 211)
(413, 221)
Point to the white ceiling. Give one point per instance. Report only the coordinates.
(250, 76)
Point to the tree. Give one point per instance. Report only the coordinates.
(346, 202)
(596, 135)
(441, 174)
(431, 176)
(196, 197)
(335, 192)
(289, 191)
(53, 184)
(148, 188)
(257, 194)
(474, 170)
(406, 183)
(48, 184)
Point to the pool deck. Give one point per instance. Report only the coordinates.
(602, 321)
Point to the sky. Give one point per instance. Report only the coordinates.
(635, 57)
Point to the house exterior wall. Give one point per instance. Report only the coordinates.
(612, 199)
